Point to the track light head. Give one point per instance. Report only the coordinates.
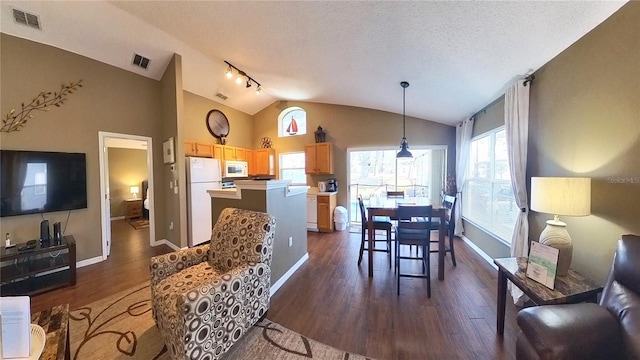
(229, 73)
(248, 83)
(258, 90)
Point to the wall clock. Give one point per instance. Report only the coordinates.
(218, 125)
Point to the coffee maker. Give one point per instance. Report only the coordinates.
(332, 185)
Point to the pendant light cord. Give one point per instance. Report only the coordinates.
(404, 92)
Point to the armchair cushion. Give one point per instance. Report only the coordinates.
(241, 236)
(577, 331)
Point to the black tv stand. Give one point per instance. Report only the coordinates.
(44, 267)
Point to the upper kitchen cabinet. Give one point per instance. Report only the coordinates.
(195, 148)
(263, 161)
(235, 153)
(218, 151)
(318, 158)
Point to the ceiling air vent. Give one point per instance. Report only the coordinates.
(222, 96)
(141, 61)
(25, 18)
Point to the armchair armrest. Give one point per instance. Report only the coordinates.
(163, 266)
(576, 331)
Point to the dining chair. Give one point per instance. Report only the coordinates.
(379, 223)
(449, 203)
(414, 228)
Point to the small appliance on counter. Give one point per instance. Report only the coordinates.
(322, 186)
(332, 185)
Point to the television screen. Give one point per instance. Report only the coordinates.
(36, 182)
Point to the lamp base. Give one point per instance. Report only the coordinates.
(555, 235)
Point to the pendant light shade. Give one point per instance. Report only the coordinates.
(404, 145)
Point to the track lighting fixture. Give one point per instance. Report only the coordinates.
(241, 77)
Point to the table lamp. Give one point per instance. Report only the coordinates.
(134, 190)
(560, 196)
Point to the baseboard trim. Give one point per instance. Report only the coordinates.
(117, 218)
(278, 284)
(479, 251)
(89, 261)
(166, 242)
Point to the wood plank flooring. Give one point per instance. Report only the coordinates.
(331, 299)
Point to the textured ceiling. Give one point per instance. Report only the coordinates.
(458, 55)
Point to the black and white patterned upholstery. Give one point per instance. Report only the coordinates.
(206, 297)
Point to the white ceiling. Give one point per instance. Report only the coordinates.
(458, 56)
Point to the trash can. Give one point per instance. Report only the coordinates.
(340, 218)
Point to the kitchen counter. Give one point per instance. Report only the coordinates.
(258, 185)
(316, 191)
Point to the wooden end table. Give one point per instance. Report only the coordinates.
(55, 322)
(569, 289)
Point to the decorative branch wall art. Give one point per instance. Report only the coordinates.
(14, 121)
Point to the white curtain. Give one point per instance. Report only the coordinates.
(463, 143)
(516, 119)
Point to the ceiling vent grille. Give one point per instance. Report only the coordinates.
(222, 96)
(25, 18)
(141, 61)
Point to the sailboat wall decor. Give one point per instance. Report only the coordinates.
(292, 129)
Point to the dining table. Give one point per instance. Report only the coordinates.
(388, 206)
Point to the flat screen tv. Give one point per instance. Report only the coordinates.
(34, 182)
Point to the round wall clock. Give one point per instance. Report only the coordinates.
(218, 125)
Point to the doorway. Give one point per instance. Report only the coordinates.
(135, 188)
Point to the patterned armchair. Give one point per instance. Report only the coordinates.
(205, 298)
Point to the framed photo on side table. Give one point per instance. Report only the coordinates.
(168, 151)
(542, 264)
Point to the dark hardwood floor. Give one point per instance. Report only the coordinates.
(331, 299)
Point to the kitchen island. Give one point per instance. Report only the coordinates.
(288, 204)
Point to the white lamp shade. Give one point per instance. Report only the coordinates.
(561, 195)
(134, 189)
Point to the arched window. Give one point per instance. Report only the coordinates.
(292, 121)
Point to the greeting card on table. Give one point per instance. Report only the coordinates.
(15, 322)
(542, 264)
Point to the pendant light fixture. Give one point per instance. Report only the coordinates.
(404, 145)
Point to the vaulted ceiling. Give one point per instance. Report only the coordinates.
(458, 56)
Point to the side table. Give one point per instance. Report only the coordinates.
(55, 322)
(572, 288)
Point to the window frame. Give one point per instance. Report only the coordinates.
(473, 218)
(282, 168)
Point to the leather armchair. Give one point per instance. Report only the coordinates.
(608, 330)
(206, 298)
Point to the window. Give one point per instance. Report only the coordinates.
(292, 121)
(488, 200)
(292, 168)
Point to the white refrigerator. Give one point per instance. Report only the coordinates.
(202, 174)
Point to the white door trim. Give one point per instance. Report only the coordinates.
(104, 183)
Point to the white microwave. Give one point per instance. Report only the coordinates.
(236, 169)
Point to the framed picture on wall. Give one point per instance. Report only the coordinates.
(168, 151)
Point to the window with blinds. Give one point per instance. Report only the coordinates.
(488, 200)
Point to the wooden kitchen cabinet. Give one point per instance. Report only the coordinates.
(235, 153)
(318, 158)
(263, 162)
(218, 151)
(195, 148)
(326, 205)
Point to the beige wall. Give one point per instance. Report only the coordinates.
(196, 109)
(127, 167)
(350, 127)
(585, 121)
(112, 100)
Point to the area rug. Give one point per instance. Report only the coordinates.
(139, 224)
(122, 327)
